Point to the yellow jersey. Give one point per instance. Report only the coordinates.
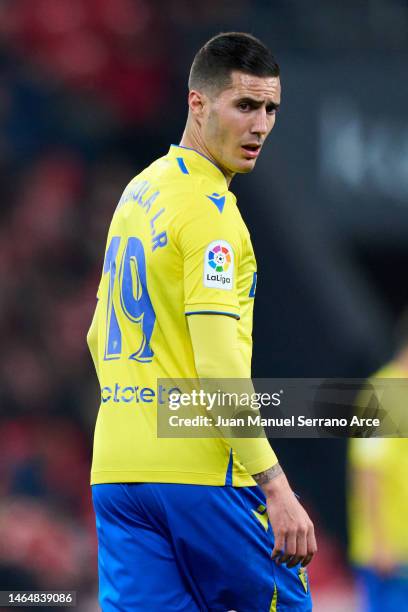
(388, 458)
(177, 245)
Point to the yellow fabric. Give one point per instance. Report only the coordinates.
(219, 355)
(387, 458)
(302, 573)
(274, 602)
(169, 220)
(262, 516)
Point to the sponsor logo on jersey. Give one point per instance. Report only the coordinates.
(219, 265)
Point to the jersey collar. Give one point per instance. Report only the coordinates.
(196, 162)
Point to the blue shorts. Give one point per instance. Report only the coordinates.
(378, 593)
(190, 548)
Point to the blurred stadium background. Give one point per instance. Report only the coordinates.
(92, 90)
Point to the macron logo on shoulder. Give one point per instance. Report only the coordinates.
(218, 200)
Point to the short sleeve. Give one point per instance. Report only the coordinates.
(210, 244)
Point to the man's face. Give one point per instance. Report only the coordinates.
(238, 119)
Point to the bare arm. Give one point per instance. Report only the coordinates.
(264, 478)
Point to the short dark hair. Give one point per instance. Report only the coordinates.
(226, 52)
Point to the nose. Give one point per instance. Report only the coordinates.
(261, 125)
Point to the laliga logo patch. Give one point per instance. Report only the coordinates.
(219, 258)
(219, 265)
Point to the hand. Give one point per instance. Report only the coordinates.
(295, 540)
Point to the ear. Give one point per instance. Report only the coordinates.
(197, 102)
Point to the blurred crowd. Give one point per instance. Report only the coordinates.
(81, 84)
(73, 75)
(113, 49)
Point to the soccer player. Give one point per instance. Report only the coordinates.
(378, 496)
(183, 524)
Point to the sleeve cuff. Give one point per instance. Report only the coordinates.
(204, 308)
(261, 464)
(256, 454)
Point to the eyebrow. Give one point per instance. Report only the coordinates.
(257, 103)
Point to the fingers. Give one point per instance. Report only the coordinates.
(295, 547)
(311, 546)
(301, 550)
(279, 546)
(294, 561)
(307, 560)
(311, 540)
(290, 547)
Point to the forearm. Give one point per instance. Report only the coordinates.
(272, 481)
(267, 478)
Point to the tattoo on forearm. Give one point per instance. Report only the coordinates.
(263, 478)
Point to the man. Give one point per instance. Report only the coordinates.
(378, 495)
(181, 523)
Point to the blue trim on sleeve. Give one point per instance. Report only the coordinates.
(253, 286)
(228, 475)
(182, 165)
(228, 314)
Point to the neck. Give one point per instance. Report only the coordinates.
(192, 139)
